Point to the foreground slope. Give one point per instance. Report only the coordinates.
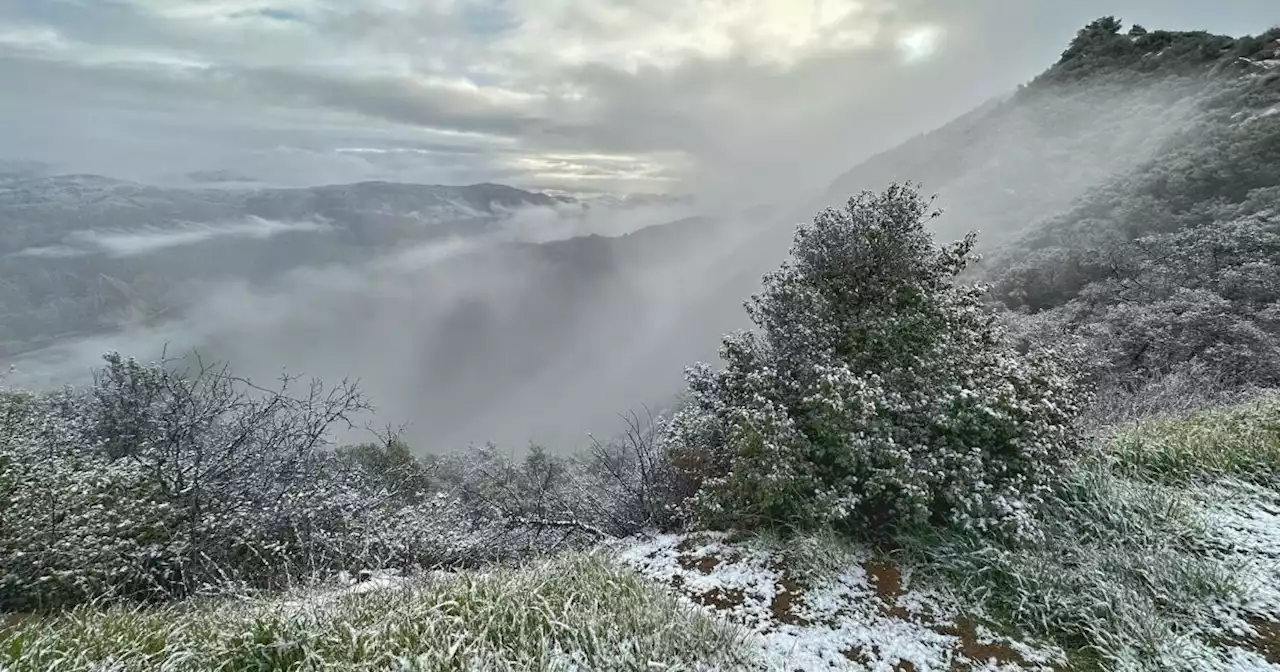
(1169, 560)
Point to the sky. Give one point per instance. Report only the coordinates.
(724, 97)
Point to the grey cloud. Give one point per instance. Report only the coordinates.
(397, 99)
(307, 83)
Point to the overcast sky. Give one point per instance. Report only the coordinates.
(741, 96)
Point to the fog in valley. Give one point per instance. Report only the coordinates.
(553, 323)
(535, 321)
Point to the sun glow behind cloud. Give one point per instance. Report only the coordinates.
(364, 91)
(919, 43)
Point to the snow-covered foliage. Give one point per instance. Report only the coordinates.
(1159, 552)
(878, 393)
(1171, 320)
(617, 488)
(158, 483)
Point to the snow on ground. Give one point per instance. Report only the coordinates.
(349, 584)
(871, 616)
(1244, 527)
(874, 616)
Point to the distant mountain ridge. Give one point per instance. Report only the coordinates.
(81, 253)
(44, 208)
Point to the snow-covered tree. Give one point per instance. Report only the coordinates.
(877, 392)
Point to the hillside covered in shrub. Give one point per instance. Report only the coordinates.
(1062, 456)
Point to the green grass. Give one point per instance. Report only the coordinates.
(572, 612)
(1240, 442)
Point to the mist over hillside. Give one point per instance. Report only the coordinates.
(455, 326)
(1000, 394)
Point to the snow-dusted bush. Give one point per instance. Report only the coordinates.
(877, 392)
(543, 501)
(1177, 320)
(156, 483)
(73, 524)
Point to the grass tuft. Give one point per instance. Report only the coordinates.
(1240, 442)
(573, 612)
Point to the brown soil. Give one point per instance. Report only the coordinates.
(788, 591)
(862, 658)
(886, 578)
(12, 622)
(1266, 643)
(704, 565)
(979, 652)
(718, 598)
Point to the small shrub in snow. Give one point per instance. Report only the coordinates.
(877, 392)
(615, 489)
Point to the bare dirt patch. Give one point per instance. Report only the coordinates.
(871, 613)
(1266, 641)
(783, 606)
(863, 659)
(980, 652)
(886, 578)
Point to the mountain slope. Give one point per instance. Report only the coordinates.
(1091, 117)
(1128, 196)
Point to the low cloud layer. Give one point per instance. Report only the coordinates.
(526, 333)
(150, 240)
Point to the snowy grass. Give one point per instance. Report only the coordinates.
(1240, 442)
(577, 611)
(1162, 553)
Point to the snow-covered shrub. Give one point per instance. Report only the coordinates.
(615, 489)
(155, 484)
(636, 480)
(877, 392)
(1176, 319)
(74, 525)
